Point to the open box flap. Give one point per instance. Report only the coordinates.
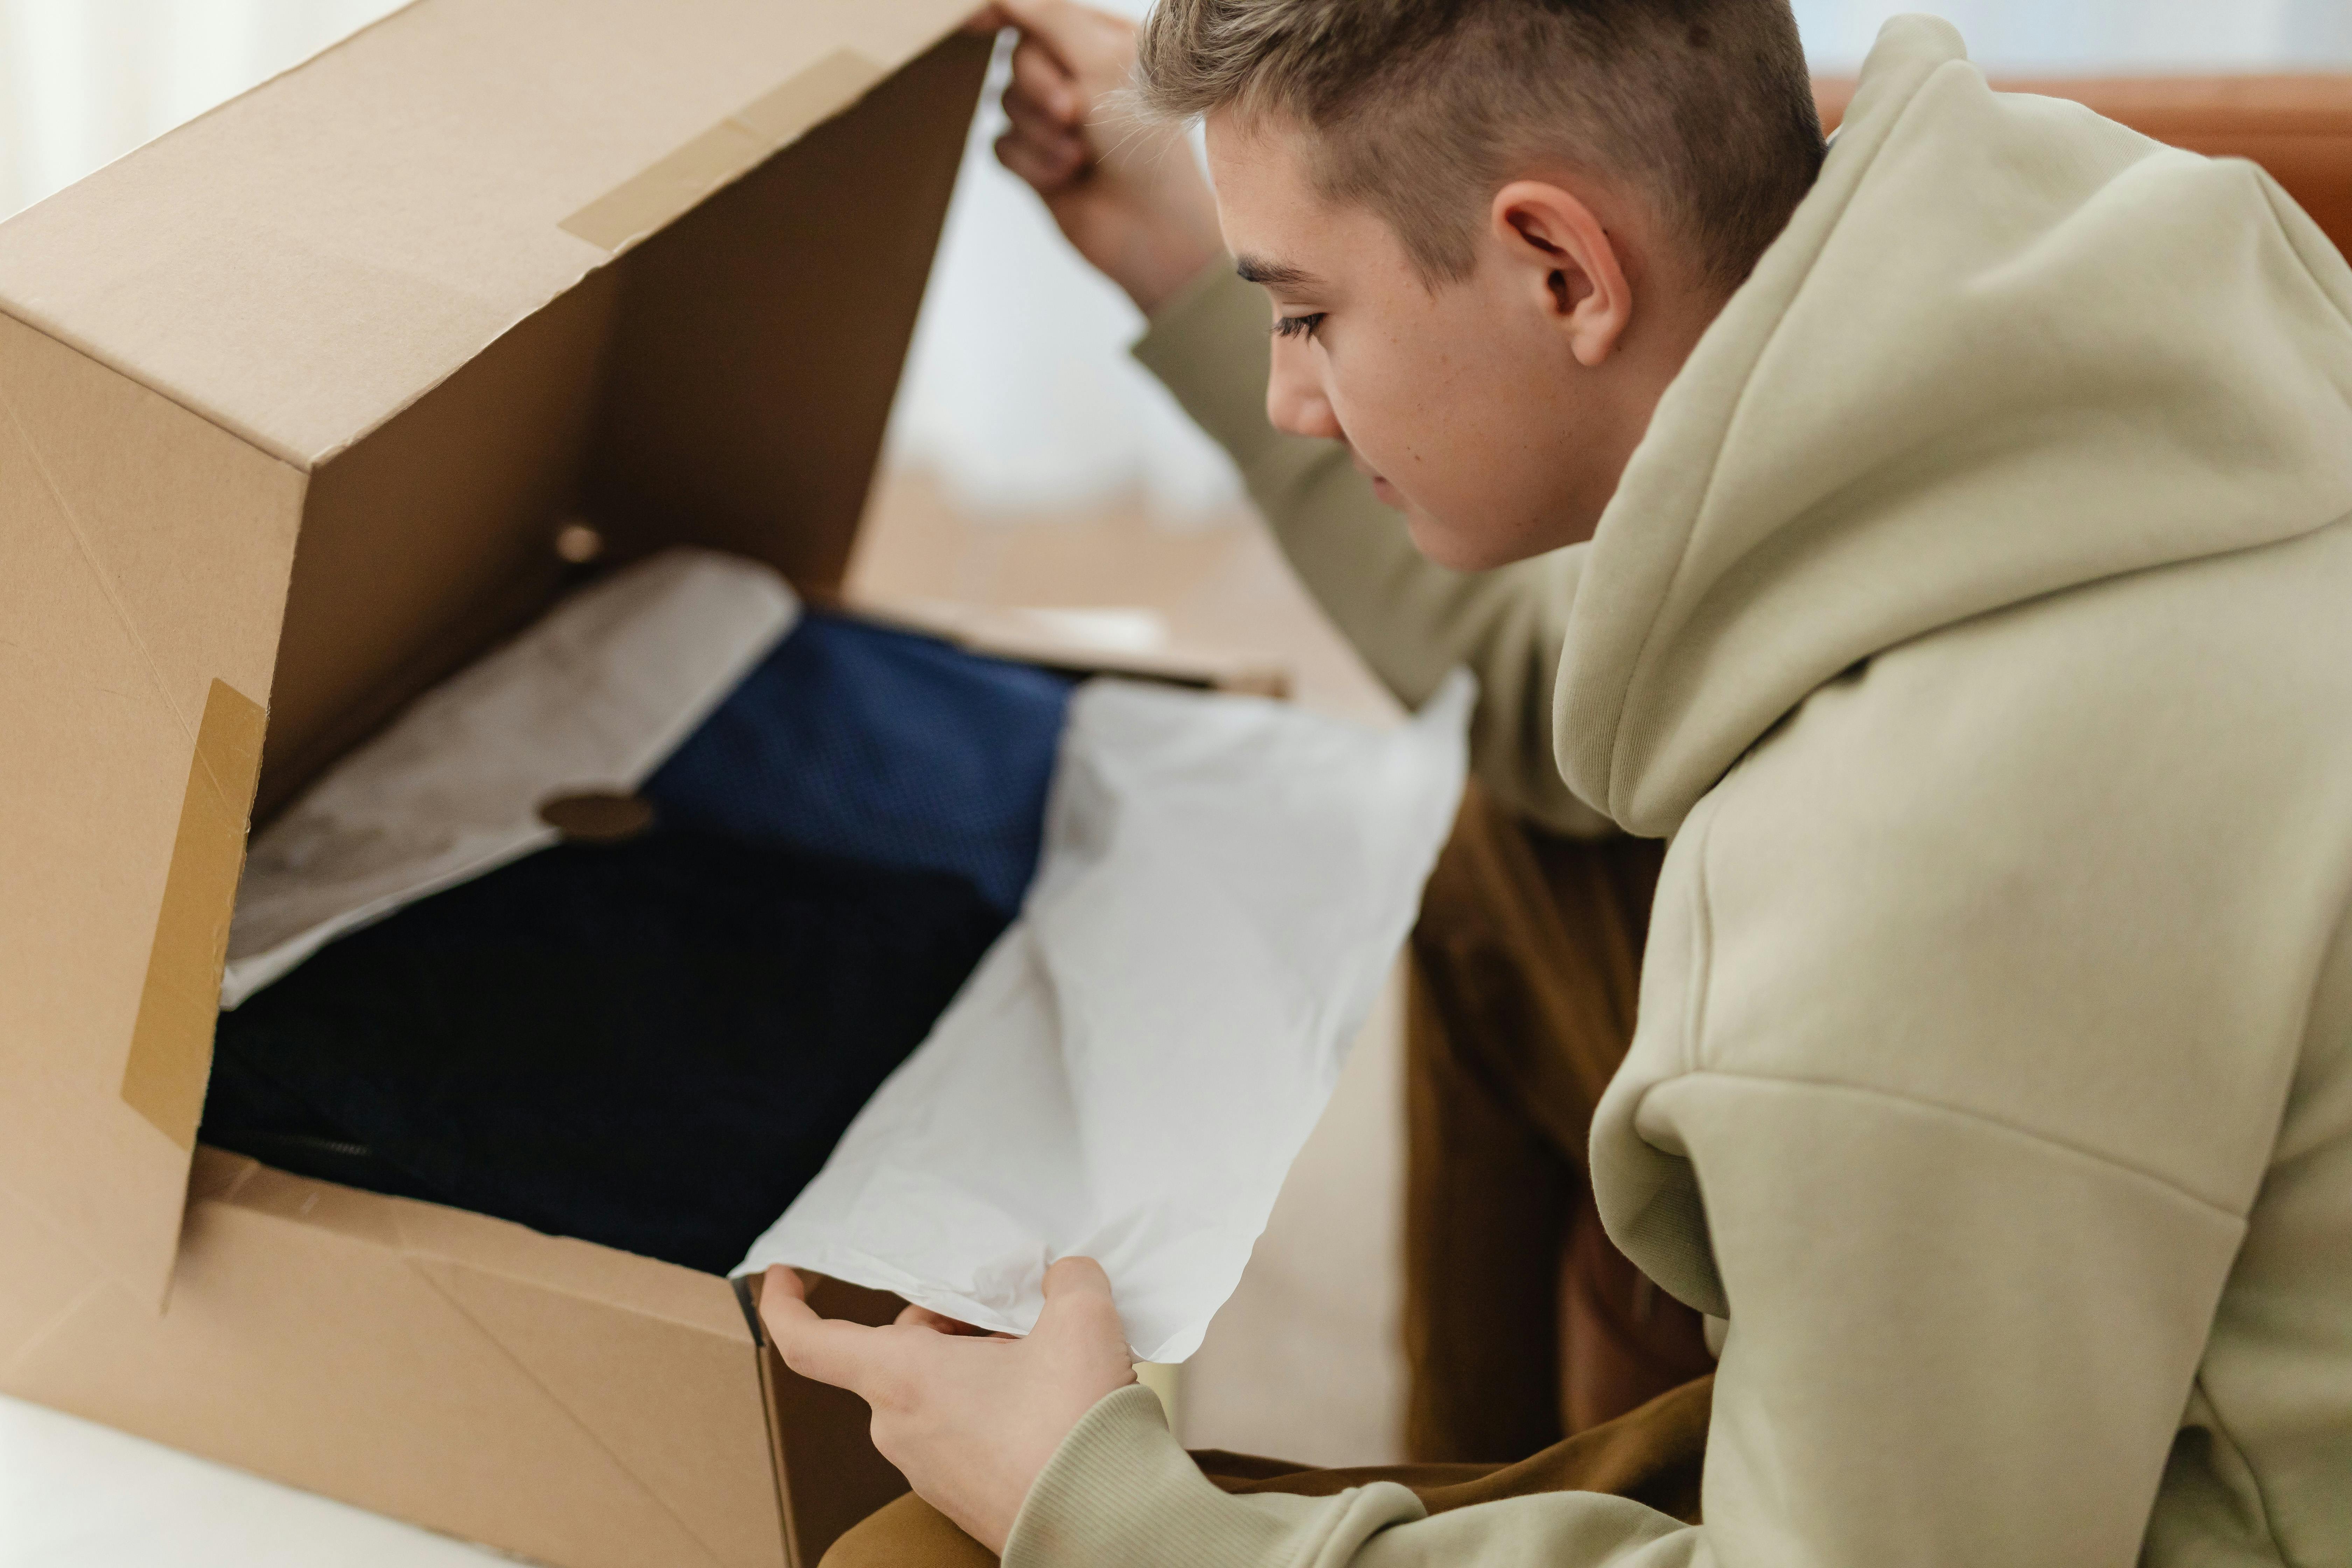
(146, 555)
(377, 256)
(305, 261)
(548, 1397)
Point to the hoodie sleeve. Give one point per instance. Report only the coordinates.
(1411, 620)
(1961, 1144)
(1951, 1343)
(1121, 1491)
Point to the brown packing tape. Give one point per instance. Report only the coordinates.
(812, 96)
(650, 201)
(642, 205)
(170, 1045)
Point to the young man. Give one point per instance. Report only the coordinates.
(1962, 587)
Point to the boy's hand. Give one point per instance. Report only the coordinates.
(971, 1418)
(1127, 191)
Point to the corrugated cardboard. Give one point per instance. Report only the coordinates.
(572, 1404)
(293, 404)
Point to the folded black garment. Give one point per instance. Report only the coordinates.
(653, 1044)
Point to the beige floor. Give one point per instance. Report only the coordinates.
(1217, 581)
(1304, 1361)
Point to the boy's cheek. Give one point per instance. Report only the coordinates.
(1412, 426)
(1470, 517)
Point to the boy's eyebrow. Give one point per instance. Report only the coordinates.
(1273, 274)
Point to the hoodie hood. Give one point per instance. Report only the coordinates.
(2004, 349)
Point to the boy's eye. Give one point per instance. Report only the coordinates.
(1298, 326)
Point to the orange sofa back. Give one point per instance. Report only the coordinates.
(2297, 127)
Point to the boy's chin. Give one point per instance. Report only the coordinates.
(1462, 549)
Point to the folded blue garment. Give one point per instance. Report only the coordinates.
(875, 744)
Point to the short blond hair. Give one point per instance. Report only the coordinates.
(1422, 109)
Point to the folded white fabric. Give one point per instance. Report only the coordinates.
(594, 696)
(1135, 1065)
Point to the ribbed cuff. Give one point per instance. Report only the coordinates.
(1121, 1490)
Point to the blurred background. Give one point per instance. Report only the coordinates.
(1030, 465)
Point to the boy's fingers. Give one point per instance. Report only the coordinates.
(784, 1297)
(1080, 1319)
(1044, 131)
(1040, 15)
(988, 19)
(1034, 119)
(938, 1322)
(1076, 1276)
(1047, 169)
(825, 1349)
(780, 1280)
(1040, 74)
(1076, 1288)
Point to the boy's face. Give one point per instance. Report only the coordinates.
(1470, 404)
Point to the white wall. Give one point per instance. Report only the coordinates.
(2093, 36)
(84, 81)
(1020, 395)
(1019, 392)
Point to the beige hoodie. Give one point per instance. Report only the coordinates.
(1977, 618)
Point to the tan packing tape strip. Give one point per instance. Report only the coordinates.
(733, 147)
(170, 1045)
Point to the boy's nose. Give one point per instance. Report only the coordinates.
(1295, 403)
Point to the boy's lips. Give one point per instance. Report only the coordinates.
(1380, 485)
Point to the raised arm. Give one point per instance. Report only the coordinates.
(1132, 200)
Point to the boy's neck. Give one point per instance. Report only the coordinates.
(1649, 358)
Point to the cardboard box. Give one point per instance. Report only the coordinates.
(293, 404)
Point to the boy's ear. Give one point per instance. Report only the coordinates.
(1563, 251)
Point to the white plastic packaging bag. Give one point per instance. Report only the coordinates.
(1135, 1065)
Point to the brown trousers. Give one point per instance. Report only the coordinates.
(1526, 1332)
(1523, 1323)
(1650, 1455)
